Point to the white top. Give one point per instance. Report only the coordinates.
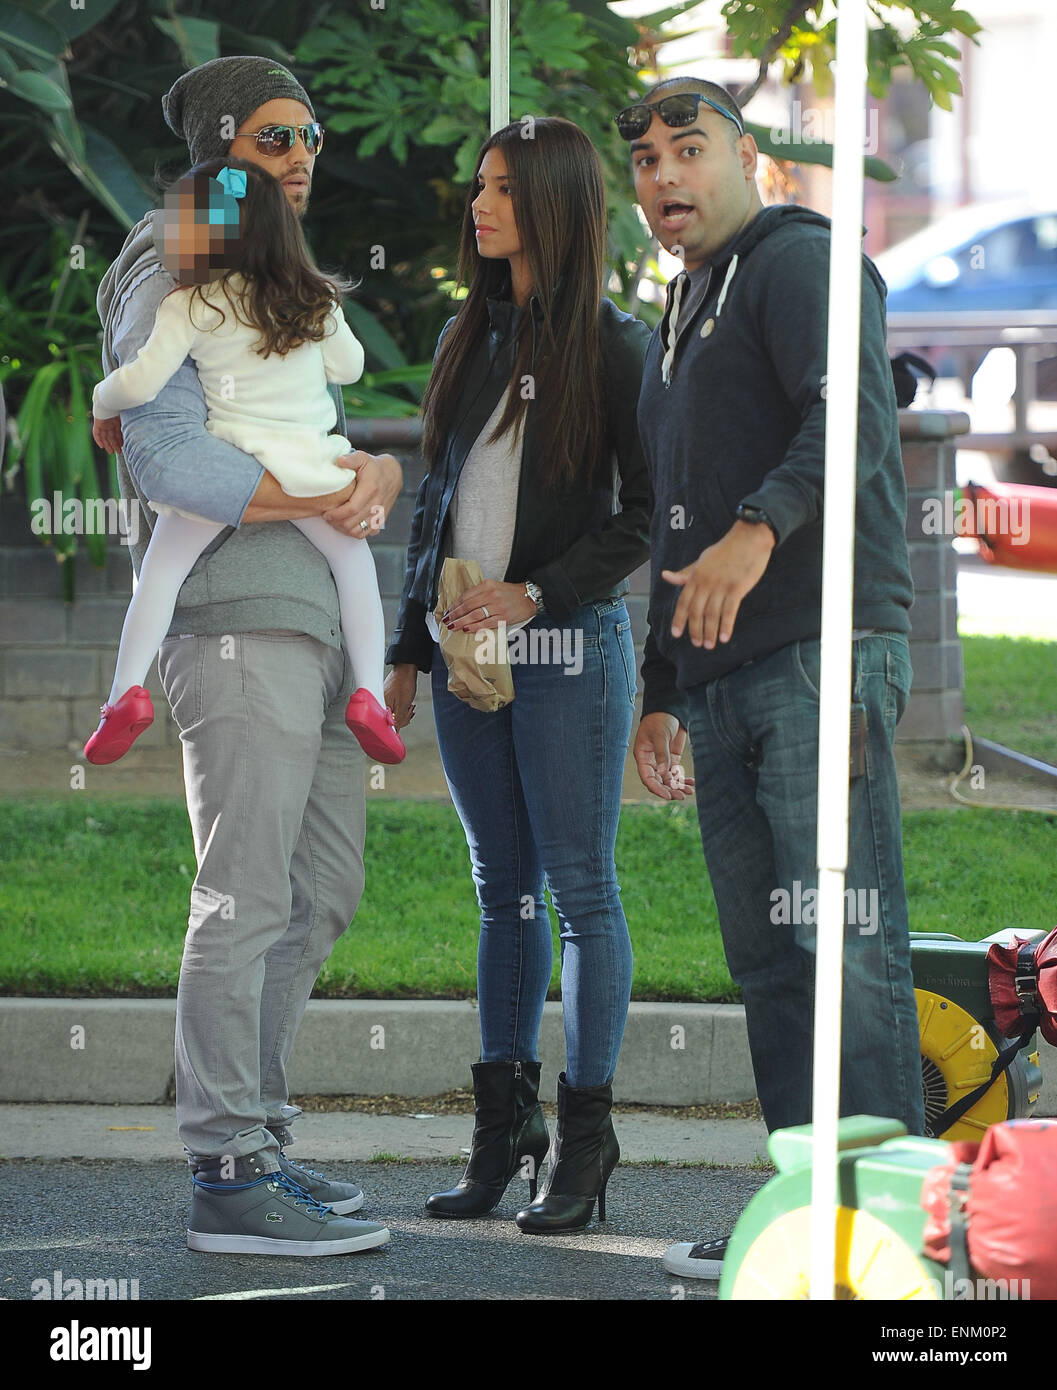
(276, 408)
(483, 508)
(484, 504)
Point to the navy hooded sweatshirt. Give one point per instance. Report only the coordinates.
(744, 420)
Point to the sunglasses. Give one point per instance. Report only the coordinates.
(679, 110)
(280, 139)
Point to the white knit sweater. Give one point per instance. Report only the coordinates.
(276, 408)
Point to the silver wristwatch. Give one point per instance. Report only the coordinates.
(535, 593)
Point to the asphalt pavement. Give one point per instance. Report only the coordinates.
(103, 1219)
(99, 1192)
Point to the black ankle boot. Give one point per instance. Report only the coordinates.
(509, 1129)
(585, 1153)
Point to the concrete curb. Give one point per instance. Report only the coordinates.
(120, 1051)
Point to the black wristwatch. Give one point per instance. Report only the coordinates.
(756, 516)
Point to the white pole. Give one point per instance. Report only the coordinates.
(500, 65)
(838, 552)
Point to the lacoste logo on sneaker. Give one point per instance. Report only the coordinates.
(273, 1216)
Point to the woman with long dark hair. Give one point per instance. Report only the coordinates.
(535, 471)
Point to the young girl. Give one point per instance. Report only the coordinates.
(266, 335)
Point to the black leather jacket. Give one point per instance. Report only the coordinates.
(573, 543)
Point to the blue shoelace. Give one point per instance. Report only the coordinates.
(280, 1180)
(300, 1196)
(301, 1168)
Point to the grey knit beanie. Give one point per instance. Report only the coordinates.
(208, 104)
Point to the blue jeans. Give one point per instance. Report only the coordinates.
(755, 742)
(537, 788)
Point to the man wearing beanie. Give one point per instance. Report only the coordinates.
(254, 670)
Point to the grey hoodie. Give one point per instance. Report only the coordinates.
(264, 575)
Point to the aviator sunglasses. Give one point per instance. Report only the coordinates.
(681, 109)
(280, 139)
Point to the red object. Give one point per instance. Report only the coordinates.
(1023, 982)
(1011, 1206)
(120, 726)
(1016, 525)
(935, 1200)
(375, 727)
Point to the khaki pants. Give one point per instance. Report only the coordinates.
(275, 795)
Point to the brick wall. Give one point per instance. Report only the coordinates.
(57, 660)
(935, 710)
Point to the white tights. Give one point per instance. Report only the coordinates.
(174, 547)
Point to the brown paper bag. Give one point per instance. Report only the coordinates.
(485, 684)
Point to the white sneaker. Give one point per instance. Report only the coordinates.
(703, 1260)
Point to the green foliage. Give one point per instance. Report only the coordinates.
(405, 99)
(47, 308)
(802, 38)
(34, 51)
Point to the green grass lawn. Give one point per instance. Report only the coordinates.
(1011, 693)
(93, 897)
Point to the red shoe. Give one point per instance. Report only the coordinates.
(375, 727)
(120, 726)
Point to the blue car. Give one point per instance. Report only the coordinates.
(980, 259)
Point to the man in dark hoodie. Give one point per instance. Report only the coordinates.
(732, 417)
(258, 681)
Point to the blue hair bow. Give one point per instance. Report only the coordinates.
(233, 181)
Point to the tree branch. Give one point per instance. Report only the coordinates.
(795, 13)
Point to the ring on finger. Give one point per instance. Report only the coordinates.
(484, 610)
(363, 527)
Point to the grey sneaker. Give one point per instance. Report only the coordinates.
(273, 1216)
(340, 1197)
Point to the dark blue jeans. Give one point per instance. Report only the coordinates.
(755, 742)
(537, 788)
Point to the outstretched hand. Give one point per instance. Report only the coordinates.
(715, 584)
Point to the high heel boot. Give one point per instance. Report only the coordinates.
(585, 1153)
(509, 1129)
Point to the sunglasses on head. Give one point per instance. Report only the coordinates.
(280, 139)
(679, 110)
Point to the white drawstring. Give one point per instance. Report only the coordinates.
(673, 319)
(673, 316)
(726, 284)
